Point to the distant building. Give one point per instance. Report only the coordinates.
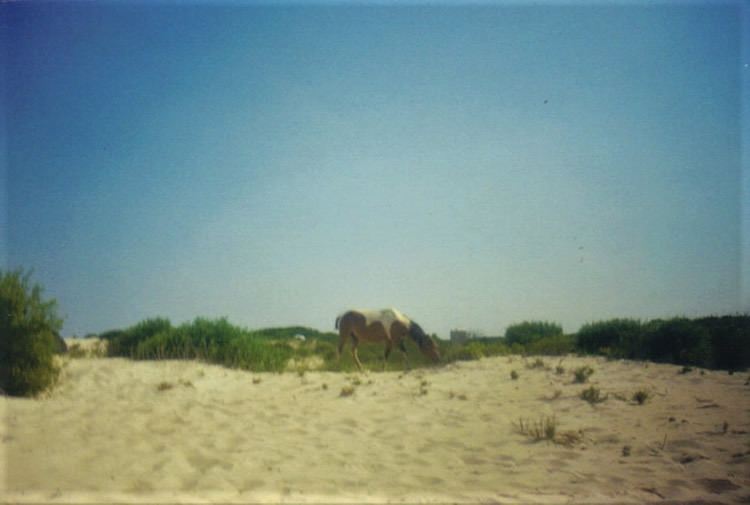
(459, 336)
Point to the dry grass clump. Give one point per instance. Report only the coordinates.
(543, 429)
(347, 391)
(537, 363)
(641, 396)
(423, 387)
(582, 374)
(592, 395)
(514, 375)
(546, 429)
(164, 386)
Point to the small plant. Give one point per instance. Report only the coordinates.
(592, 395)
(582, 374)
(626, 450)
(514, 375)
(347, 391)
(538, 363)
(543, 429)
(423, 387)
(559, 369)
(164, 386)
(641, 396)
(724, 428)
(557, 394)
(685, 369)
(256, 380)
(324, 386)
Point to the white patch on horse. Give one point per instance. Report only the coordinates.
(385, 316)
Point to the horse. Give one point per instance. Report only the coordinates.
(388, 326)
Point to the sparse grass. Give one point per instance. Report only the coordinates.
(641, 396)
(537, 363)
(546, 428)
(559, 369)
(592, 395)
(164, 386)
(460, 396)
(423, 387)
(582, 374)
(543, 429)
(347, 391)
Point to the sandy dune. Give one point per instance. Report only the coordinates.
(121, 431)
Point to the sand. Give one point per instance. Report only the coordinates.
(121, 431)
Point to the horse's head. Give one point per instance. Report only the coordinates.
(428, 346)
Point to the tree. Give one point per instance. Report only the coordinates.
(27, 343)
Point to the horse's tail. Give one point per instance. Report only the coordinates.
(337, 322)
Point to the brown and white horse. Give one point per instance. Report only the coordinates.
(388, 326)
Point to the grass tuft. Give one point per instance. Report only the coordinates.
(164, 386)
(641, 396)
(347, 391)
(582, 374)
(592, 395)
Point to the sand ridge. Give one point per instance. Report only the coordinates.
(116, 430)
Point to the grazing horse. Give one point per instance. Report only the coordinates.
(388, 326)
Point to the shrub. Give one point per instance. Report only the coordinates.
(469, 351)
(27, 326)
(592, 395)
(582, 374)
(619, 338)
(556, 345)
(528, 331)
(126, 343)
(679, 341)
(730, 340)
(641, 396)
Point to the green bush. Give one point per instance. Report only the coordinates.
(27, 342)
(618, 338)
(529, 331)
(730, 340)
(126, 343)
(679, 341)
(556, 345)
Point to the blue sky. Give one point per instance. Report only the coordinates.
(472, 166)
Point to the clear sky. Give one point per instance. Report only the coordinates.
(471, 166)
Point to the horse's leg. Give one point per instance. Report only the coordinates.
(403, 352)
(342, 341)
(388, 346)
(355, 344)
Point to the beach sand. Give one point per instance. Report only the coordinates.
(116, 430)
